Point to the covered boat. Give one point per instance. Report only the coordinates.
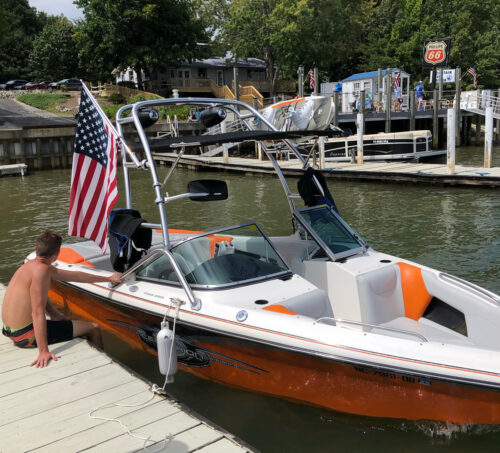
(317, 316)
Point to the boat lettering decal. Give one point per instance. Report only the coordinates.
(393, 376)
(159, 296)
(188, 352)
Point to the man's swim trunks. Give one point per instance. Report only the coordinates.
(24, 337)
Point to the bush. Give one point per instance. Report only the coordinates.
(110, 110)
(116, 98)
(127, 84)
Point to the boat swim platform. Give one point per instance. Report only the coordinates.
(47, 409)
(13, 170)
(404, 172)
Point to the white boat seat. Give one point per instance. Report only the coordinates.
(314, 304)
(428, 329)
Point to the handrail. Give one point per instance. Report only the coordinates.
(375, 326)
(463, 284)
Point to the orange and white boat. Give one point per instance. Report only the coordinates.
(317, 316)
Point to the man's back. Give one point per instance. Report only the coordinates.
(16, 309)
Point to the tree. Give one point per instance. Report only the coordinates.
(140, 34)
(54, 55)
(23, 24)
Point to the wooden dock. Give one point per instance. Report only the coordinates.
(369, 171)
(13, 170)
(47, 409)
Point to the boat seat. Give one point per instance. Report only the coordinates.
(391, 292)
(428, 329)
(314, 304)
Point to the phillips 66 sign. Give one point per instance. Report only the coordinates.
(436, 52)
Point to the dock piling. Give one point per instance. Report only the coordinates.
(360, 124)
(450, 142)
(488, 137)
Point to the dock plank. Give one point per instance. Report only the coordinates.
(47, 409)
(221, 446)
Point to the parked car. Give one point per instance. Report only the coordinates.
(70, 84)
(12, 84)
(34, 86)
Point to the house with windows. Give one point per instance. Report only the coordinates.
(368, 81)
(211, 77)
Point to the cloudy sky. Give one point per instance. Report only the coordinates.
(56, 7)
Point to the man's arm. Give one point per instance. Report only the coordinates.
(39, 288)
(83, 277)
(55, 315)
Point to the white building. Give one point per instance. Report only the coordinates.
(368, 81)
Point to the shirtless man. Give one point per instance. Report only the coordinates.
(26, 303)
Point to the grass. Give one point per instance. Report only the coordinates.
(43, 101)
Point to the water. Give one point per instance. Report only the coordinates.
(452, 229)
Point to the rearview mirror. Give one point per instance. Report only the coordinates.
(207, 190)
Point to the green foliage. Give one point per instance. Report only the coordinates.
(137, 34)
(43, 101)
(23, 24)
(54, 55)
(116, 98)
(110, 110)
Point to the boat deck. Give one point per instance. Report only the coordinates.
(47, 409)
(374, 171)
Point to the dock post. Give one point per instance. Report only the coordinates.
(225, 152)
(336, 108)
(412, 110)
(458, 75)
(316, 80)
(300, 73)
(478, 130)
(450, 142)
(497, 121)
(488, 137)
(235, 82)
(388, 100)
(435, 119)
(360, 125)
(321, 145)
(379, 86)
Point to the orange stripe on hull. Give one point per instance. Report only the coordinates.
(311, 380)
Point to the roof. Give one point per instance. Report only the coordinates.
(227, 63)
(373, 74)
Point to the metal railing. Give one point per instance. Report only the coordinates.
(373, 326)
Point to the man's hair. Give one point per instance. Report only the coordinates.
(48, 244)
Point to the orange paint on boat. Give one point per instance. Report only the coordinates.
(69, 256)
(278, 308)
(284, 103)
(322, 382)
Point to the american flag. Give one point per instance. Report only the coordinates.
(397, 81)
(473, 73)
(312, 82)
(93, 178)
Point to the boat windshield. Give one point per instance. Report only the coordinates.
(334, 234)
(225, 257)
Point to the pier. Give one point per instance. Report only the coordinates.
(47, 409)
(368, 171)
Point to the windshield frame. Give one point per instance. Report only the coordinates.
(299, 218)
(287, 272)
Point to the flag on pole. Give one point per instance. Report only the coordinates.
(397, 81)
(312, 82)
(93, 178)
(473, 73)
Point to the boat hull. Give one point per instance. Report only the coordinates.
(250, 365)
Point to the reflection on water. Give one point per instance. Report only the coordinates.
(452, 229)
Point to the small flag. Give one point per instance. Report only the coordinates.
(472, 71)
(93, 177)
(397, 81)
(312, 82)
